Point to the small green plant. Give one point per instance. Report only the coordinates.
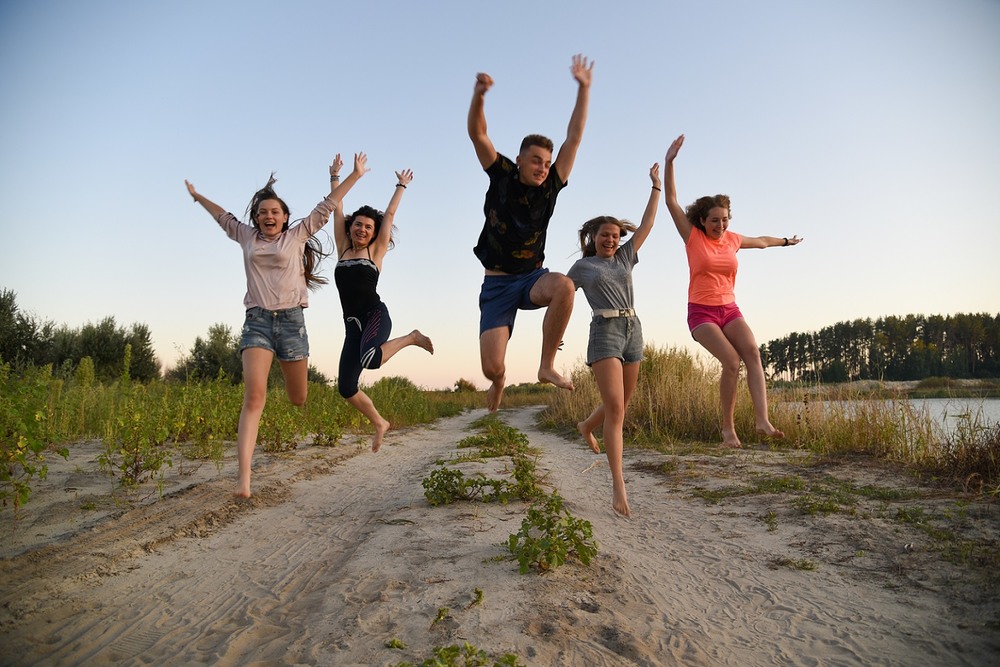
(465, 655)
(771, 519)
(477, 598)
(395, 643)
(443, 613)
(549, 535)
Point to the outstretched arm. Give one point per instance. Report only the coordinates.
(768, 241)
(337, 192)
(214, 209)
(485, 151)
(670, 190)
(649, 215)
(574, 133)
(381, 245)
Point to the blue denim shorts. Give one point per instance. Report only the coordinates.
(502, 296)
(619, 337)
(280, 331)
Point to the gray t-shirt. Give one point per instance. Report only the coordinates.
(607, 283)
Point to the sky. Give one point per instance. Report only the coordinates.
(868, 128)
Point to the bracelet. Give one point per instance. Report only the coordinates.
(657, 189)
(334, 177)
(400, 185)
(786, 239)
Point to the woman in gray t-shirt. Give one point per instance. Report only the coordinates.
(615, 347)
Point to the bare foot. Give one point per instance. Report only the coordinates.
(380, 430)
(589, 437)
(730, 440)
(620, 502)
(494, 395)
(423, 341)
(768, 431)
(242, 489)
(549, 376)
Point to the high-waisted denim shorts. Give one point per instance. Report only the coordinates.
(619, 337)
(280, 331)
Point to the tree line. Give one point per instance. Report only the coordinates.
(912, 347)
(25, 341)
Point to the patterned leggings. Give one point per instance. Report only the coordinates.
(362, 347)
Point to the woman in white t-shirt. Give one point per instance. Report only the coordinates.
(614, 350)
(280, 262)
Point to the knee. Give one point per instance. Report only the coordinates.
(298, 400)
(563, 289)
(494, 369)
(254, 399)
(347, 389)
(731, 366)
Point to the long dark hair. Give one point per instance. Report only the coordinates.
(312, 252)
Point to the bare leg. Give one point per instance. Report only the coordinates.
(492, 353)
(296, 374)
(589, 425)
(554, 291)
(739, 334)
(630, 374)
(391, 347)
(256, 366)
(365, 406)
(611, 383)
(710, 336)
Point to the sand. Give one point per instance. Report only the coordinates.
(338, 554)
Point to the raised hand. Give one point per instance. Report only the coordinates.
(654, 175)
(404, 176)
(675, 148)
(483, 83)
(336, 166)
(361, 164)
(581, 71)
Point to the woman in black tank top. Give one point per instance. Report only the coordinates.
(362, 239)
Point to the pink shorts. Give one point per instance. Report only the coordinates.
(718, 315)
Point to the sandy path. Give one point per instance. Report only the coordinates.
(339, 553)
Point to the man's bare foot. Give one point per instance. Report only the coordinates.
(768, 431)
(730, 440)
(588, 436)
(423, 341)
(549, 376)
(620, 503)
(380, 431)
(494, 395)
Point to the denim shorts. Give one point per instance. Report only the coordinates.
(618, 337)
(502, 296)
(280, 331)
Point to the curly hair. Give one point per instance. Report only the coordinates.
(698, 211)
(376, 216)
(588, 233)
(312, 252)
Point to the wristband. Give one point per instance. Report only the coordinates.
(786, 239)
(400, 185)
(657, 189)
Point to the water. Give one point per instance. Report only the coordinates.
(947, 412)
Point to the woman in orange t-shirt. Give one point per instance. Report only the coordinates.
(714, 318)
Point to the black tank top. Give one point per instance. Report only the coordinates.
(357, 283)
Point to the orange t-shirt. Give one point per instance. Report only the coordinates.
(713, 267)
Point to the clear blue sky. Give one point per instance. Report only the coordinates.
(869, 128)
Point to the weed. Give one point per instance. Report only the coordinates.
(465, 655)
(549, 534)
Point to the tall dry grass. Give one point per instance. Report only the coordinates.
(676, 408)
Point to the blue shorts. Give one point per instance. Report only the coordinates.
(280, 331)
(615, 337)
(502, 296)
